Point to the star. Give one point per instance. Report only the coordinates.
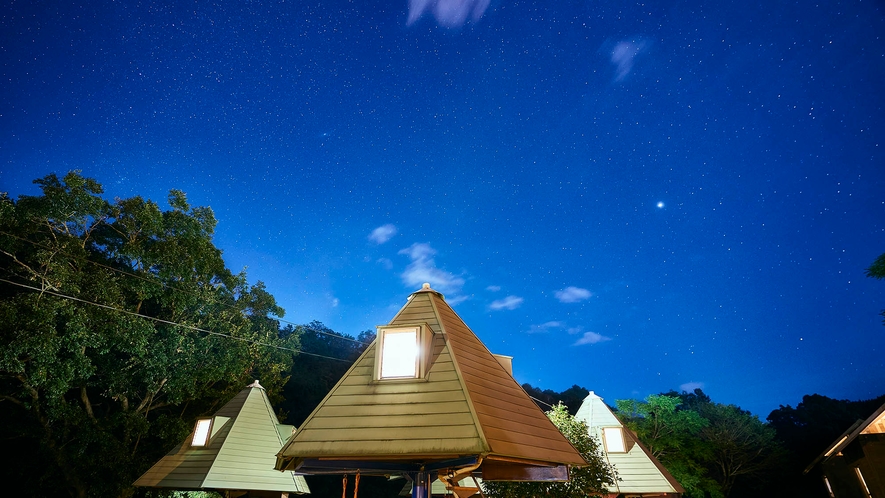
(660, 205)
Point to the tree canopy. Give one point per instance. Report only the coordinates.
(119, 324)
(712, 449)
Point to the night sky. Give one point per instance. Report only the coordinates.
(631, 197)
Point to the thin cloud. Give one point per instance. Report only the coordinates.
(572, 294)
(691, 386)
(508, 303)
(546, 327)
(448, 13)
(423, 269)
(591, 338)
(623, 55)
(382, 234)
(493, 288)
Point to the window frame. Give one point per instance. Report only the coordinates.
(605, 439)
(206, 422)
(423, 338)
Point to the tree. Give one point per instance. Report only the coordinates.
(313, 375)
(877, 270)
(739, 448)
(572, 397)
(590, 480)
(807, 430)
(664, 429)
(672, 436)
(712, 449)
(119, 324)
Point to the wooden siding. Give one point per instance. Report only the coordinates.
(239, 456)
(246, 460)
(511, 422)
(638, 471)
(364, 418)
(468, 404)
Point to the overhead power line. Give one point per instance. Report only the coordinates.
(168, 322)
(167, 286)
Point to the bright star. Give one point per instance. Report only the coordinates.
(660, 205)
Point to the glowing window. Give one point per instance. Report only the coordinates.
(614, 440)
(201, 432)
(402, 352)
(399, 353)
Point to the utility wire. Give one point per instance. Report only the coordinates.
(166, 286)
(160, 320)
(539, 401)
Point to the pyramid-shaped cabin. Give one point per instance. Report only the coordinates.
(428, 396)
(640, 474)
(232, 452)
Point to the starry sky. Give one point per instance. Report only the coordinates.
(629, 196)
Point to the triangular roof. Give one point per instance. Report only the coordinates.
(639, 473)
(874, 424)
(467, 407)
(240, 453)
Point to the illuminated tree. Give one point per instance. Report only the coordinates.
(119, 323)
(590, 480)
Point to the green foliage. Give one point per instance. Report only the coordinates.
(590, 480)
(657, 421)
(710, 448)
(877, 269)
(94, 394)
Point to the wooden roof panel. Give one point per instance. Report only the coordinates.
(240, 456)
(496, 394)
(639, 472)
(466, 404)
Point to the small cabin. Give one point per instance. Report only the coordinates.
(232, 452)
(853, 466)
(427, 400)
(640, 474)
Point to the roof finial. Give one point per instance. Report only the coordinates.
(425, 286)
(256, 384)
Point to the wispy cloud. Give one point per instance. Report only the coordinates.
(508, 303)
(572, 294)
(546, 327)
(493, 288)
(591, 338)
(382, 234)
(423, 269)
(691, 386)
(624, 54)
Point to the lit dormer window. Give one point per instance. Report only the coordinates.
(614, 440)
(201, 432)
(402, 352)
